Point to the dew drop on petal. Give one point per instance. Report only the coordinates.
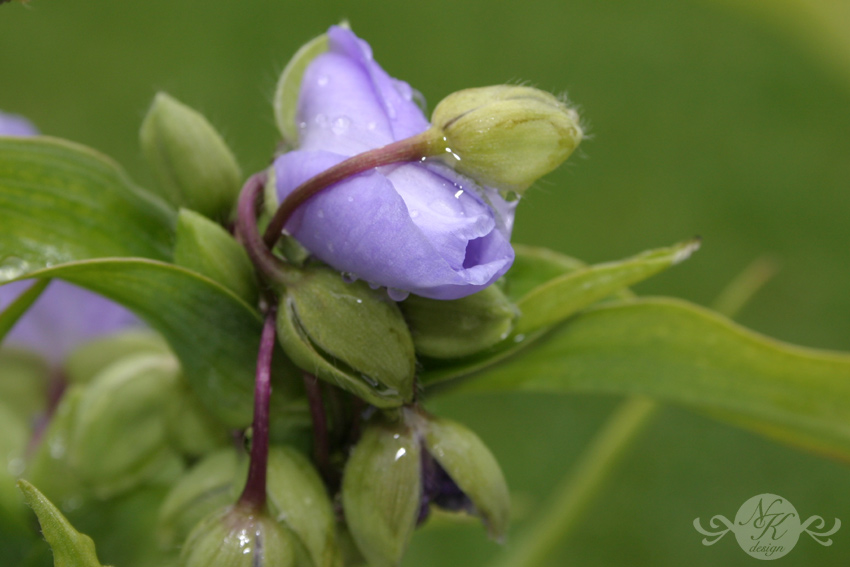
(373, 285)
(397, 294)
(350, 199)
(321, 120)
(340, 125)
(414, 213)
(322, 81)
(371, 126)
(321, 214)
(348, 277)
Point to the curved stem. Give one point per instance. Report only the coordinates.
(270, 266)
(410, 149)
(254, 494)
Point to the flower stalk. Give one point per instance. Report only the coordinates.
(254, 494)
(418, 147)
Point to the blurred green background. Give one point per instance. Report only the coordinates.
(705, 118)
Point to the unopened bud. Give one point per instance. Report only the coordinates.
(381, 492)
(119, 436)
(210, 485)
(459, 327)
(506, 136)
(473, 468)
(298, 498)
(349, 335)
(192, 163)
(238, 537)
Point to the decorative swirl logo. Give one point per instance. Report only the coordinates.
(767, 527)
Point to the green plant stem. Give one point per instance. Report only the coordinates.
(579, 488)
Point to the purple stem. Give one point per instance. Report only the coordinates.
(254, 495)
(410, 149)
(321, 445)
(270, 266)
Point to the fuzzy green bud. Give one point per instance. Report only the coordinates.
(238, 537)
(191, 161)
(506, 136)
(381, 492)
(459, 327)
(347, 334)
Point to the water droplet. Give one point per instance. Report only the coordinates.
(400, 453)
(397, 294)
(371, 126)
(519, 338)
(323, 81)
(348, 277)
(458, 194)
(330, 246)
(340, 125)
(302, 125)
(57, 448)
(414, 213)
(12, 267)
(320, 214)
(321, 120)
(373, 285)
(369, 380)
(351, 199)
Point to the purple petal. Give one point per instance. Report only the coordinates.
(63, 317)
(14, 125)
(416, 227)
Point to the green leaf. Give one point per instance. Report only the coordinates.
(61, 202)
(70, 547)
(10, 315)
(534, 266)
(680, 353)
(214, 333)
(565, 295)
(289, 87)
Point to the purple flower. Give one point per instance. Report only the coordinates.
(412, 227)
(14, 125)
(65, 315)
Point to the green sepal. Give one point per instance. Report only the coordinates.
(119, 437)
(89, 359)
(70, 547)
(459, 327)
(238, 537)
(289, 87)
(474, 469)
(347, 334)
(382, 491)
(298, 498)
(210, 485)
(194, 166)
(205, 247)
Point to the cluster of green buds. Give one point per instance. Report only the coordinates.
(344, 356)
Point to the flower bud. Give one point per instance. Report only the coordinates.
(381, 492)
(210, 485)
(119, 436)
(238, 537)
(349, 335)
(205, 247)
(472, 467)
(192, 163)
(506, 136)
(459, 327)
(89, 359)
